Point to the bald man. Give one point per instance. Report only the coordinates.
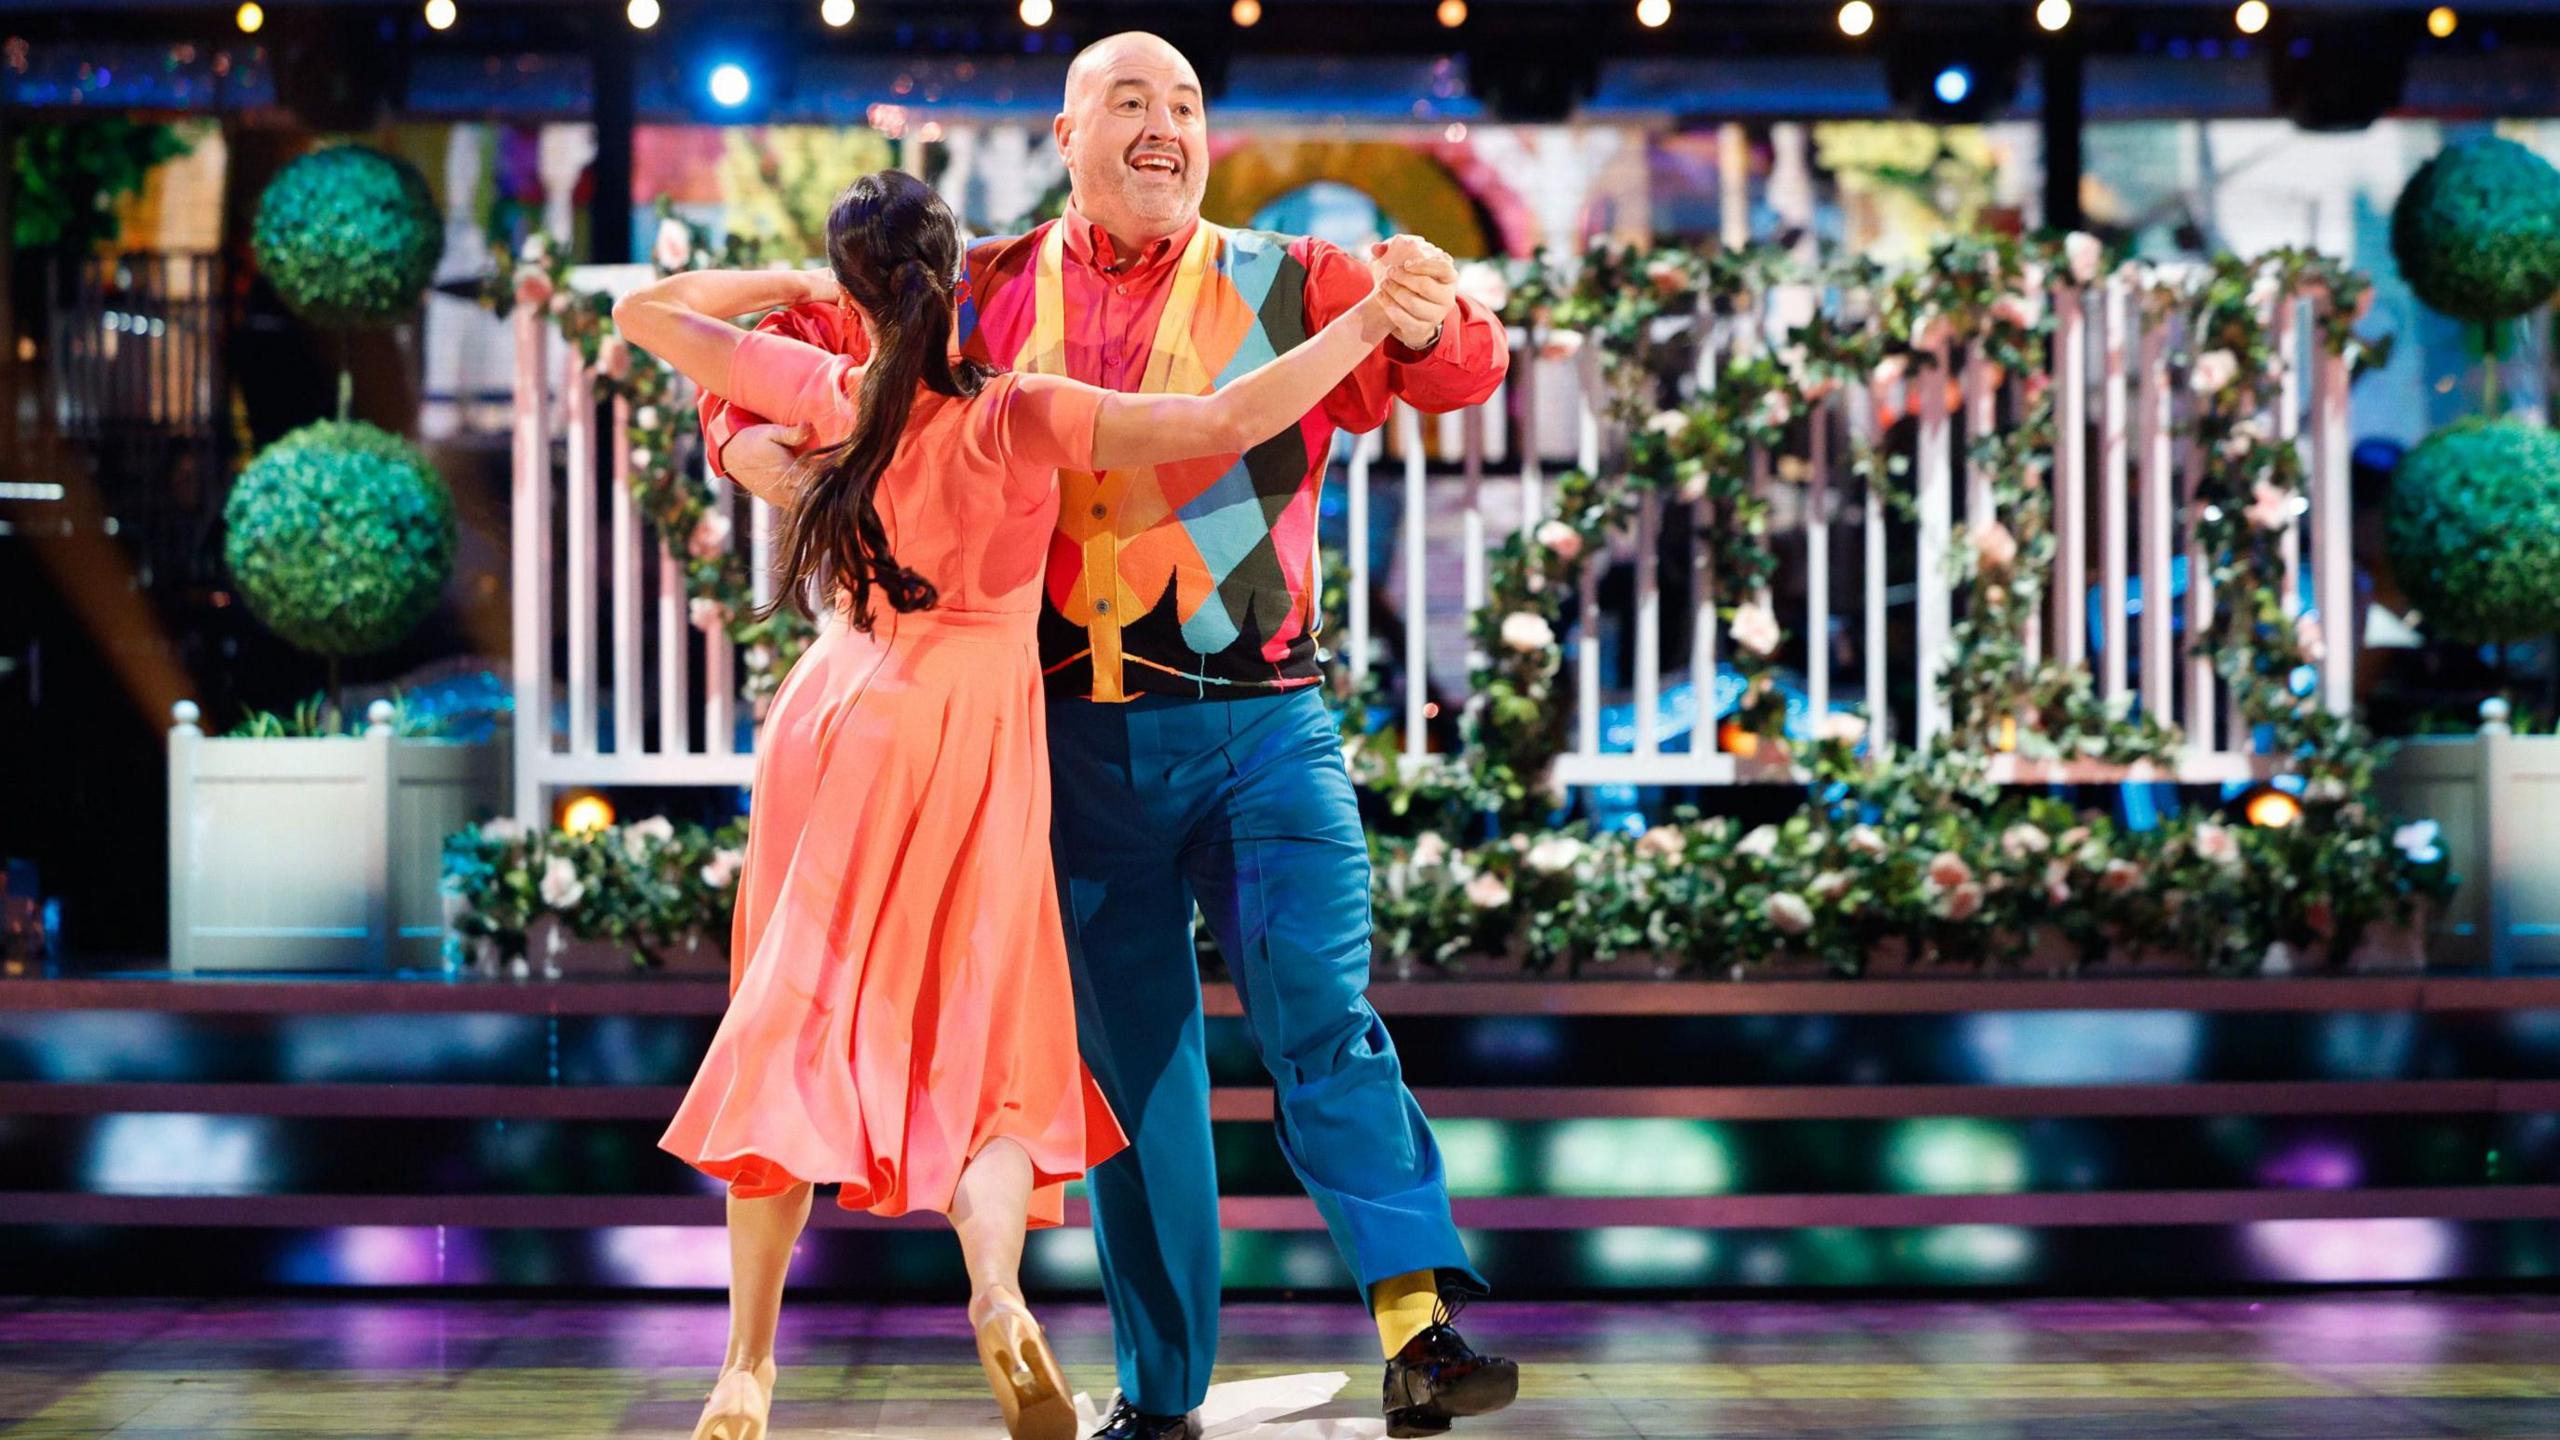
(1192, 755)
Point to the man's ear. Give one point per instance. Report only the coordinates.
(1060, 129)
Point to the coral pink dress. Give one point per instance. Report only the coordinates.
(898, 990)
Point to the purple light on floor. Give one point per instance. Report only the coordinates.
(2354, 1251)
(2319, 1164)
(664, 1257)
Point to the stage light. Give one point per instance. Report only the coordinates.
(1479, 1158)
(1649, 1256)
(2364, 1252)
(1979, 1252)
(643, 14)
(2053, 14)
(1653, 14)
(251, 18)
(586, 814)
(1857, 18)
(2251, 16)
(1453, 13)
(837, 13)
(1036, 13)
(2271, 809)
(1637, 1157)
(730, 85)
(1955, 1157)
(2441, 22)
(1735, 740)
(440, 14)
(1952, 85)
(1248, 13)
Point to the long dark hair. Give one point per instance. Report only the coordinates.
(896, 252)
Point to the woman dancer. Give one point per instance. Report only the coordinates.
(901, 1020)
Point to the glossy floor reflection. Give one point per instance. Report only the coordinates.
(2353, 1367)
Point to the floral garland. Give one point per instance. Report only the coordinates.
(1917, 859)
(1645, 315)
(718, 578)
(651, 886)
(1992, 290)
(1923, 861)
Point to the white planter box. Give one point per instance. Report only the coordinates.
(316, 854)
(2497, 798)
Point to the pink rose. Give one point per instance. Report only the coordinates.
(1787, 913)
(1755, 628)
(1947, 870)
(2213, 373)
(1994, 546)
(1960, 903)
(533, 287)
(2270, 506)
(613, 357)
(2022, 840)
(2119, 878)
(1561, 539)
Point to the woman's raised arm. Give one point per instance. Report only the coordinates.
(1131, 430)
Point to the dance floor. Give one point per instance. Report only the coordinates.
(2349, 1367)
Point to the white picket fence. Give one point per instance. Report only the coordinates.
(2119, 468)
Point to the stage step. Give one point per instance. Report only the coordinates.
(1600, 1133)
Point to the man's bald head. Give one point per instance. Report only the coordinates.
(1135, 47)
(1135, 136)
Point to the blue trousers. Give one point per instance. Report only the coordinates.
(1244, 807)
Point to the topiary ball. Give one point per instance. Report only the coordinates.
(341, 537)
(2473, 528)
(2477, 231)
(348, 236)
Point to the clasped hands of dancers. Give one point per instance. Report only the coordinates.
(1058, 499)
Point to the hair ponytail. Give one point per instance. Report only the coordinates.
(896, 252)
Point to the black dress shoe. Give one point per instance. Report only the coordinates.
(1128, 1422)
(1438, 1377)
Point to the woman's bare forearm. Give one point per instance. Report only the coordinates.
(685, 319)
(1134, 430)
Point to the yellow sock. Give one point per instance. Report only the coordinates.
(1403, 1305)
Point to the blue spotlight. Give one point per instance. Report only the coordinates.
(730, 85)
(1952, 85)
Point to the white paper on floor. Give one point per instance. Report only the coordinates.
(1262, 1410)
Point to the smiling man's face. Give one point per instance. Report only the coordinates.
(1135, 135)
